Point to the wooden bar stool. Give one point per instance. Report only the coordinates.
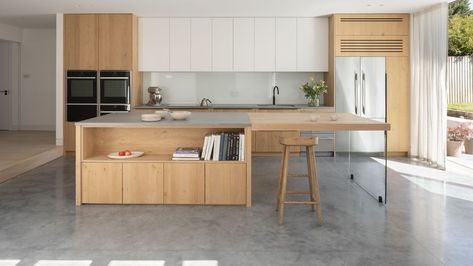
(314, 196)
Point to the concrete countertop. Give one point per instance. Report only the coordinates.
(196, 120)
(230, 106)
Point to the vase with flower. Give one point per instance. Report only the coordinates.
(455, 139)
(313, 90)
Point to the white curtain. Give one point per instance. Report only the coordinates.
(429, 45)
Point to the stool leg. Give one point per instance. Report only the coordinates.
(316, 187)
(310, 175)
(282, 194)
(280, 180)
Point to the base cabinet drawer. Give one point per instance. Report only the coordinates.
(102, 183)
(183, 183)
(225, 184)
(142, 183)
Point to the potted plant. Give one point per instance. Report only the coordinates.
(312, 90)
(469, 138)
(455, 139)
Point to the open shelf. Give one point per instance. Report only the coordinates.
(148, 158)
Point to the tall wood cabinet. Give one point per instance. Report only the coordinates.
(384, 35)
(100, 42)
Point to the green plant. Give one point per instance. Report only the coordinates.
(460, 36)
(313, 89)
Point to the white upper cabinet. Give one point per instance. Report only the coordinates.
(201, 44)
(312, 44)
(180, 44)
(243, 44)
(286, 44)
(265, 44)
(222, 44)
(153, 44)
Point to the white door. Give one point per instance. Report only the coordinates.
(286, 44)
(4, 86)
(222, 44)
(201, 44)
(265, 44)
(180, 44)
(312, 44)
(373, 87)
(243, 44)
(153, 52)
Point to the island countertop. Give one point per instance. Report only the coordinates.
(197, 119)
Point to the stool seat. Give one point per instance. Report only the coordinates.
(314, 195)
(299, 141)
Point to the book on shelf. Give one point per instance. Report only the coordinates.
(224, 146)
(185, 158)
(187, 153)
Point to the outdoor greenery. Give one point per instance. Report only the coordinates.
(460, 29)
(465, 107)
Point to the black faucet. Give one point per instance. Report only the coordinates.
(274, 95)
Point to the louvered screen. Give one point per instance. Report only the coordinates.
(372, 19)
(371, 46)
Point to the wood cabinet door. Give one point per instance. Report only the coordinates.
(102, 183)
(80, 41)
(183, 183)
(225, 184)
(116, 42)
(142, 183)
(268, 141)
(397, 69)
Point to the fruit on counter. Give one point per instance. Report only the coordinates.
(124, 153)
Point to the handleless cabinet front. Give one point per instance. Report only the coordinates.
(142, 183)
(183, 183)
(102, 183)
(116, 42)
(80, 41)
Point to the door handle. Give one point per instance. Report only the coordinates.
(5, 92)
(356, 93)
(363, 93)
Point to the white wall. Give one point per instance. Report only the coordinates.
(59, 79)
(37, 79)
(228, 88)
(10, 33)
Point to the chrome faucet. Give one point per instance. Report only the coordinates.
(274, 95)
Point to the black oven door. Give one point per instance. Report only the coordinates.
(82, 87)
(115, 88)
(79, 112)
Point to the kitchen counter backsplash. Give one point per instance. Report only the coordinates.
(228, 88)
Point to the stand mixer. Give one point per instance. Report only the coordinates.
(155, 96)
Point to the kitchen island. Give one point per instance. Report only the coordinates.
(155, 178)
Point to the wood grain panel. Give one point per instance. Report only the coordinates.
(102, 183)
(80, 42)
(115, 41)
(69, 136)
(371, 24)
(398, 105)
(225, 184)
(142, 183)
(183, 183)
(372, 46)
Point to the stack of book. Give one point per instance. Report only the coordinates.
(186, 154)
(224, 147)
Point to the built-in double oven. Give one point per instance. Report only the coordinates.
(91, 93)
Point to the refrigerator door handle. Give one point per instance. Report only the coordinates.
(363, 93)
(356, 93)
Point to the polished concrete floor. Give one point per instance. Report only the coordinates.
(38, 221)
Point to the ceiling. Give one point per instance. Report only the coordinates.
(40, 13)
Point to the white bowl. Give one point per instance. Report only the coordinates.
(314, 117)
(161, 113)
(150, 117)
(180, 115)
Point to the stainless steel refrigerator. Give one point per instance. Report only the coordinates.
(361, 90)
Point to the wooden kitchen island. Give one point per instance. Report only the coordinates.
(155, 179)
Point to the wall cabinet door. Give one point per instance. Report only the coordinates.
(180, 44)
(116, 42)
(142, 183)
(153, 52)
(183, 183)
(225, 183)
(265, 44)
(102, 183)
(243, 44)
(286, 44)
(312, 44)
(201, 44)
(222, 44)
(80, 42)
